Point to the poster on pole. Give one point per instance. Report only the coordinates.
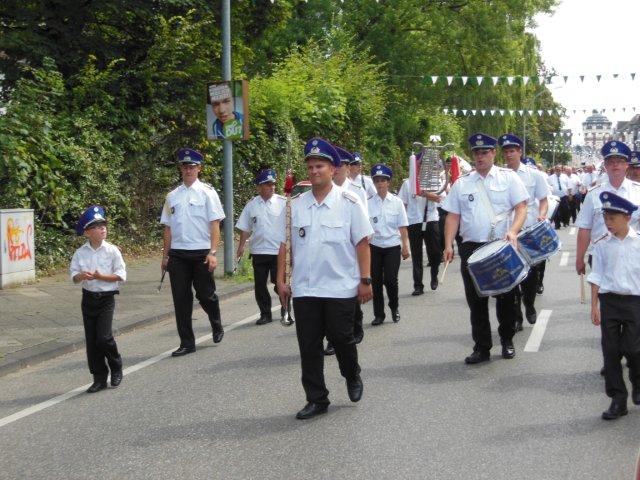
(228, 110)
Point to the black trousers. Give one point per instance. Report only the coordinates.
(479, 307)
(620, 326)
(97, 317)
(385, 264)
(574, 207)
(317, 317)
(562, 213)
(541, 268)
(431, 239)
(442, 216)
(264, 267)
(187, 268)
(528, 290)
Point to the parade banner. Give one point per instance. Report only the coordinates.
(228, 110)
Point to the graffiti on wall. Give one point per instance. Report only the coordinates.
(18, 239)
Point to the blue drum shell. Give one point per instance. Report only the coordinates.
(499, 272)
(539, 242)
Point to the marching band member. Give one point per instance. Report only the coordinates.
(536, 184)
(258, 220)
(356, 175)
(342, 180)
(590, 223)
(560, 188)
(423, 209)
(330, 233)
(542, 265)
(470, 205)
(573, 184)
(389, 221)
(615, 286)
(191, 218)
(633, 172)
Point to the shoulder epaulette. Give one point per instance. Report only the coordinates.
(602, 237)
(296, 195)
(210, 187)
(349, 196)
(466, 174)
(356, 185)
(637, 184)
(370, 197)
(279, 196)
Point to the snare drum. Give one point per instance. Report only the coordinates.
(553, 203)
(496, 268)
(539, 242)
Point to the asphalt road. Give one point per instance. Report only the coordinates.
(227, 411)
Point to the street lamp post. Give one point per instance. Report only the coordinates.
(227, 145)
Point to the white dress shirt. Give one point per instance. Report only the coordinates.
(189, 211)
(386, 216)
(590, 215)
(106, 259)
(356, 188)
(537, 187)
(616, 264)
(504, 191)
(369, 187)
(415, 205)
(323, 239)
(259, 217)
(558, 184)
(573, 183)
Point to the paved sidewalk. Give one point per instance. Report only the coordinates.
(43, 320)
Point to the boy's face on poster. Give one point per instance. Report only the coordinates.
(223, 109)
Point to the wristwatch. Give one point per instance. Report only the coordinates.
(212, 252)
(365, 280)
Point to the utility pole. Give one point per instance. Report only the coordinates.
(227, 145)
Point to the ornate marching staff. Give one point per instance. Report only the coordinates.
(289, 181)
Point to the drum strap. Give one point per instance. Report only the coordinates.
(495, 219)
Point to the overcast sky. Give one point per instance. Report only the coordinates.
(593, 37)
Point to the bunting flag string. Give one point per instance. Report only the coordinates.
(476, 80)
(533, 113)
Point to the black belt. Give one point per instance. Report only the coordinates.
(98, 295)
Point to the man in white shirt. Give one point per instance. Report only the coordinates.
(560, 188)
(258, 220)
(573, 186)
(191, 218)
(357, 176)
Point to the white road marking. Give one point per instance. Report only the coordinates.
(133, 368)
(535, 338)
(572, 231)
(564, 259)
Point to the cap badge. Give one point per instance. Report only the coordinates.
(315, 149)
(479, 142)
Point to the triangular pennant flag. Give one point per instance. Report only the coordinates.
(464, 112)
(511, 112)
(633, 76)
(624, 109)
(473, 112)
(479, 79)
(502, 113)
(634, 108)
(521, 112)
(483, 112)
(613, 110)
(455, 111)
(445, 110)
(574, 112)
(449, 80)
(558, 112)
(510, 80)
(530, 112)
(550, 112)
(540, 80)
(464, 80)
(525, 80)
(539, 113)
(565, 78)
(493, 112)
(434, 79)
(598, 77)
(584, 111)
(581, 78)
(495, 80)
(615, 75)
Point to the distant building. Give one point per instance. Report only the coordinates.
(629, 132)
(596, 130)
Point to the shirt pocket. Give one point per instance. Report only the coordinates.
(375, 219)
(105, 265)
(300, 230)
(197, 208)
(333, 231)
(499, 197)
(468, 197)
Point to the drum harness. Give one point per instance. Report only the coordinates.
(495, 219)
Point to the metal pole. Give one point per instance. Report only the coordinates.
(228, 145)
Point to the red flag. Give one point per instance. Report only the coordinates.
(289, 182)
(455, 169)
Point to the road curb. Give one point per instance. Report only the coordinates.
(40, 353)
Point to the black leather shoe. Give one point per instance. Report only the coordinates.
(417, 291)
(183, 351)
(617, 409)
(311, 409)
(602, 370)
(434, 284)
(377, 321)
(358, 337)
(477, 357)
(508, 351)
(116, 378)
(395, 316)
(540, 289)
(329, 350)
(635, 396)
(96, 387)
(354, 388)
(531, 316)
(518, 325)
(217, 336)
(264, 319)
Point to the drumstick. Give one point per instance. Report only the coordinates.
(444, 271)
(582, 294)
